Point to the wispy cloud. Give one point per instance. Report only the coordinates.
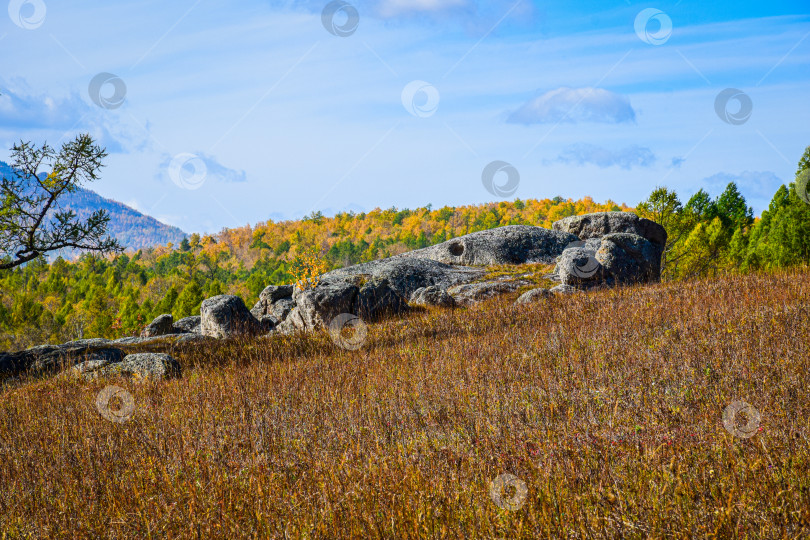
(37, 111)
(589, 154)
(213, 169)
(752, 184)
(575, 105)
(24, 111)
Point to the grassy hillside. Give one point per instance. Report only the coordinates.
(608, 406)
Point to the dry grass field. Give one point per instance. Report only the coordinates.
(607, 409)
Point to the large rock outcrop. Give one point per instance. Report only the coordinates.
(406, 274)
(370, 298)
(226, 316)
(162, 325)
(46, 359)
(187, 325)
(512, 244)
(137, 366)
(616, 248)
(600, 224)
(270, 296)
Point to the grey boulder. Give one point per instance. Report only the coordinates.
(161, 326)
(377, 299)
(511, 244)
(600, 224)
(280, 309)
(432, 296)
(138, 366)
(316, 307)
(406, 274)
(190, 325)
(471, 293)
(226, 316)
(579, 266)
(629, 258)
(45, 359)
(532, 296)
(268, 297)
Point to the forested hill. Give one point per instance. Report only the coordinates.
(133, 229)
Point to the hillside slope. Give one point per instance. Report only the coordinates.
(607, 408)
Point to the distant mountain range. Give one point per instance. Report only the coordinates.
(131, 228)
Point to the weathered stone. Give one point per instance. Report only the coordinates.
(226, 316)
(578, 266)
(471, 293)
(329, 298)
(629, 258)
(432, 296)
(512, 244)
(280, 309)
(269, 296)
(168, 338)
(600, 224)
(532, 296)
(408, 274)
(161, 326)
(377, 299)
(294, 322)
(188, 324)
(45, 359)
(139, 366)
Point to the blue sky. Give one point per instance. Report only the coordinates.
(219, 116)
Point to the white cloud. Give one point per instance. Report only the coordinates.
(574, 105)
(625, 158)
(22, 110)
(213, 169)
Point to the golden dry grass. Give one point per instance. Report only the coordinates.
(607, 405)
